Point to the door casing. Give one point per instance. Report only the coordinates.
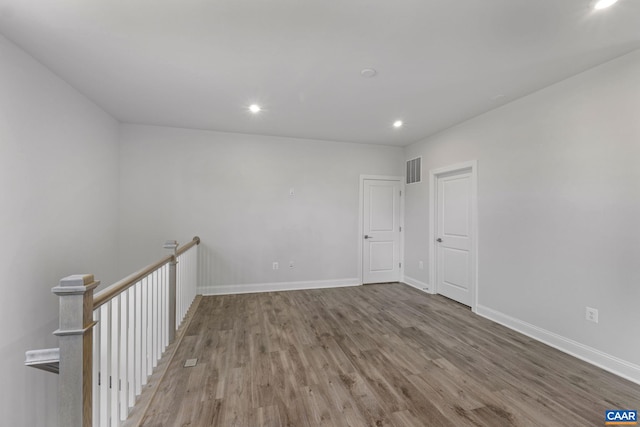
(360, 221)
(471, 166)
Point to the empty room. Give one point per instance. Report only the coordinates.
(275, 213)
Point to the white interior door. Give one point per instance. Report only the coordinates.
(381, 231)
(454, 245)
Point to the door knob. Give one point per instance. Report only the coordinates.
(366, 236)
(439, 240)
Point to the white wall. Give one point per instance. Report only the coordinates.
(233, 191)
(58, 207)
(559, 210)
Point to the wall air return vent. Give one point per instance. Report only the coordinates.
(414, 170)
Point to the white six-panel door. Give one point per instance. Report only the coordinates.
(454, 245)
(381, 231)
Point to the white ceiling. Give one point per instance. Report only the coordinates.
(200, 63)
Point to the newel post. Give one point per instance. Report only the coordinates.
(173, 246)
(75, 337)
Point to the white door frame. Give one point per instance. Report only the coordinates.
(361, 224)
(471, 165)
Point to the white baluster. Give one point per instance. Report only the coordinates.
(139, 339)
(161, 310)
(165, 306)
(193, 275)
(158, 316)
(183, 287)
(144, 307)
(115, 359)
(149, 343)
(105, 363)
(96, 369)
(123, 343)
(131, 398)
(154, 318)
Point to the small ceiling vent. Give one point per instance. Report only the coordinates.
(414, 170)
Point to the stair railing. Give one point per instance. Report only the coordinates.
(110, 342)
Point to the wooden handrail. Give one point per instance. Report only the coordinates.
(122, 285)
(186, 247)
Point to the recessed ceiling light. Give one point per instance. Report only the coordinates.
(397, 124)
(254, 108)
(603, 4)
(367, 73)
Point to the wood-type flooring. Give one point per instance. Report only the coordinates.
(375, 355)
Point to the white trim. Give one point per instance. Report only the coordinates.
(360, 223)
(276, 287)
(403, 194)
(415, 283)
(590, 355)
(433, 174)
(382, 177)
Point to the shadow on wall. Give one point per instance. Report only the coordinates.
(212, 267)
(29, 388)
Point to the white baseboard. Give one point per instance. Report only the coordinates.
(275, 287)
(415, 283)
(591, 355)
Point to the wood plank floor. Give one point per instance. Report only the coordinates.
(376, 355)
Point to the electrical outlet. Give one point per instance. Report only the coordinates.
(421, 265)
(275, 266)
(591, 314)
